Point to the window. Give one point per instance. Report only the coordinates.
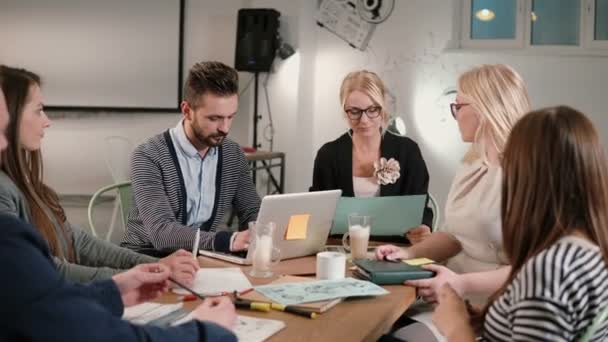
(492, 22)
(555, 22)
(575, 26)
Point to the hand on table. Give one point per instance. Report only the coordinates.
(142, 283)
(241, 241)
(183, 266)
(390, 252)
(219, 310)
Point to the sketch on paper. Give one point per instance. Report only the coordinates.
(316, 291)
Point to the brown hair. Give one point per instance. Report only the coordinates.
(25, 167)
(555, 183)
(210, 77)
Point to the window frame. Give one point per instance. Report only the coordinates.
(522, 43)
(589, 27)
(467, 42)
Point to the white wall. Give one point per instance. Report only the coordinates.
(74, 147)
(408, 53)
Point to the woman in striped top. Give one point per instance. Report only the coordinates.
(555, 215)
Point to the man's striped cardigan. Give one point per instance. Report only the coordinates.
(157, 220)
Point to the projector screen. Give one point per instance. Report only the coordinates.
(105, 54)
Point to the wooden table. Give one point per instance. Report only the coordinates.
(352, 320)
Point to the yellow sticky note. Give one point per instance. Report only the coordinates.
(297, 227)
(418, 261)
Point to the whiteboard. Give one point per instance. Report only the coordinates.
(97, 53)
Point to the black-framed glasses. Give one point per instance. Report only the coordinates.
(355, 113)
(455, 107)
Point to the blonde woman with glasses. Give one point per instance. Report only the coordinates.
(347, 163)
(490, 100)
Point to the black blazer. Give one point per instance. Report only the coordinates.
(333, 168)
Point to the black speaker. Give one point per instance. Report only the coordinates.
(256, 39)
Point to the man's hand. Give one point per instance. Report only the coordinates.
(218, 310)
(429, 288)
(183, 266)
(142, 283)
(418, 234)
(241, 241)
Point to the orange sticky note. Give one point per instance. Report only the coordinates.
(297, 227)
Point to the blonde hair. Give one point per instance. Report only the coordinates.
(371, 85)
(498, 93)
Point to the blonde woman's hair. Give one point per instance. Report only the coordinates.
(370, 84)
(498, 93)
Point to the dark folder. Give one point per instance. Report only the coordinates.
(389, 273)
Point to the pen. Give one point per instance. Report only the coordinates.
(186, 288)
(247, 304)
(196, 241)
(296, 311)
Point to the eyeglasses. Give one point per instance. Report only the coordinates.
(372, 112)
(455, 107)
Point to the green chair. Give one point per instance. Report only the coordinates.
(436, 212)
(123, 199)
(595, 325)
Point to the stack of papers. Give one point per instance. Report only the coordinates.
(249, 329)
(149, 312)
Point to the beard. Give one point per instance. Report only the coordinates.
(211, 140)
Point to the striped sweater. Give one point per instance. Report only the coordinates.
(555, 296)
(157, 220)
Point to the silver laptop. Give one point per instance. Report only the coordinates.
(319, 205)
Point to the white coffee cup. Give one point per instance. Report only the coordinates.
(331, 265)
(358, 231)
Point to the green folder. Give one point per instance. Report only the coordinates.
(390, 215)
(389, 273)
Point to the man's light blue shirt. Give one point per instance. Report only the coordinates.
(199, 174)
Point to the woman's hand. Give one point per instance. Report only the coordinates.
(428, 288)
(390, 252)
(451, 316)
(418, 234)
(183, 266)
(142, 283)
(219, 310)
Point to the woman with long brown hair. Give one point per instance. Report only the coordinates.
(554, 231)
(79, 256)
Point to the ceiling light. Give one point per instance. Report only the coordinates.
(534, 16)
(485, 14)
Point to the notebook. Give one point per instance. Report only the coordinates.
(319, 290)
(216, 281)
(317, 307)
(389, 273)
(390, 215)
